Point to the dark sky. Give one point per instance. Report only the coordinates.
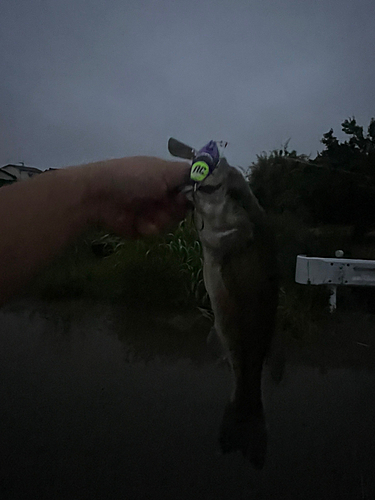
(84, 80)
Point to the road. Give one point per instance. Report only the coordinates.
(83, 416)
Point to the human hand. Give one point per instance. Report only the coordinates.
(137, 196)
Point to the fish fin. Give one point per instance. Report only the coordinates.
(248, 435)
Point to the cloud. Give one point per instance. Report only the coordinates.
(84, 81)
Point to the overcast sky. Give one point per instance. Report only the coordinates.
(84, 80)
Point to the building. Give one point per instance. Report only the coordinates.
(11, 173)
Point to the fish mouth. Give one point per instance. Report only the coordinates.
(188, 191)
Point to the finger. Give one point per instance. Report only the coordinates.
(176, 174)
(122, 224)
(181, 201)
(146, 228)
(162, 219)
(159, 219)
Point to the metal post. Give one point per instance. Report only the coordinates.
(332, 298)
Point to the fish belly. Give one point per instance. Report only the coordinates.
(243, 424)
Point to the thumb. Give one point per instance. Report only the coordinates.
(176, 174)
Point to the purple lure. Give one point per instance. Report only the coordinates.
(212, 150)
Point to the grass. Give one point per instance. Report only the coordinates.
(159, 272)
(166, 272)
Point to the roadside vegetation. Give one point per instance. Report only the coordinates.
(316, 206)
(163, 272)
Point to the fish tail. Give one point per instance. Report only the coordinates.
(247, 434)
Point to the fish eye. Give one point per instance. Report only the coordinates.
(209, 189)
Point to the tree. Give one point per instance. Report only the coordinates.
(337, 187)
(355, 155)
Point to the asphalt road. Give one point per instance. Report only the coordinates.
(83, 416)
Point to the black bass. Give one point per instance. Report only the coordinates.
(241, 278)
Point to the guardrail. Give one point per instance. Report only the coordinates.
(334, 272)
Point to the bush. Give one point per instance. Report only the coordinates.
(160, 272)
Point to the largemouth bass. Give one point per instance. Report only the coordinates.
(241, 278)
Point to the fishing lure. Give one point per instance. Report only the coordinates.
(204, 161)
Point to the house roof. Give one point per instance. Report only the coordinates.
(23, 168)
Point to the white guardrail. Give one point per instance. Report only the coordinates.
(334, 272)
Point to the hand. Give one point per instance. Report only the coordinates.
(138, 196)
(132, 196)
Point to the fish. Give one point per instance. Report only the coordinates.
(240, 273)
